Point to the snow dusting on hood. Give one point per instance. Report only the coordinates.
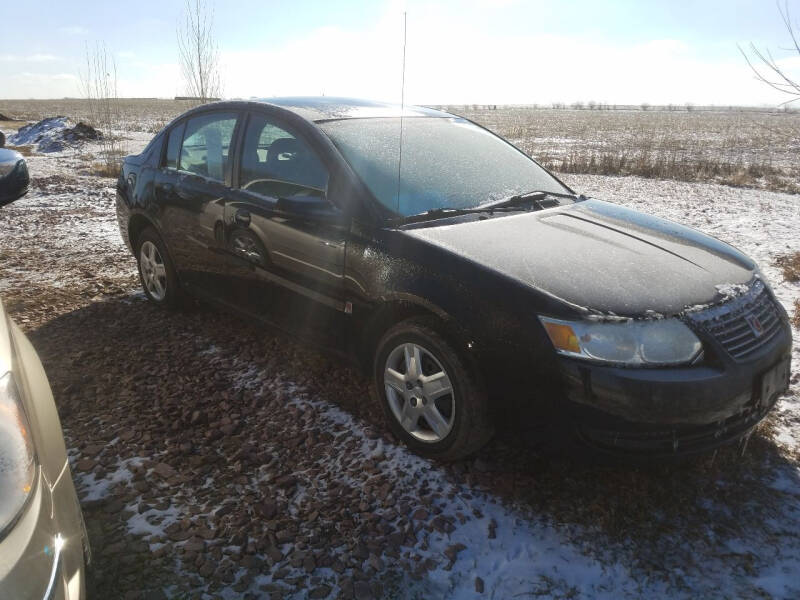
(728, 291)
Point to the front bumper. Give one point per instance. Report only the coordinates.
(668, 412)
(42, 556)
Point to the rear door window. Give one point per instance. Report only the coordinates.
(174, 146)
(206, 145)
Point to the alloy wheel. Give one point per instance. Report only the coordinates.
(419, 392)
(154, 273)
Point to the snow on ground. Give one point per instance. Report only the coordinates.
(94, 488)
(54, 134)
(517, 553)
(507, 550)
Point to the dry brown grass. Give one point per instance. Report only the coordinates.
(10, 126)
(790, 263)
(796, 317)
(745, 148)
(136, 114)
(24, 150)
(740, 147)
(664, 163)
(157, 125)
(105, 169)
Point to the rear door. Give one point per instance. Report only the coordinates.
(191, 189)
(288, 241)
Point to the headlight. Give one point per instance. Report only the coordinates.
(17, 458)
(634, 343)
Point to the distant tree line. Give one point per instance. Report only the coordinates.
(598, 106)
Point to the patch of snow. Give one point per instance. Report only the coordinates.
(152, 522)
(731, 290)
(91, 488)
(53, 134)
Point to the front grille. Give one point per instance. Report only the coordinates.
(742, 325)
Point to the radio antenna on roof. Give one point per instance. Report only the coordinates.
(402, 111)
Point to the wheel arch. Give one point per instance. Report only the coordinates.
(137, 223)
(398, 308)
(475, 426)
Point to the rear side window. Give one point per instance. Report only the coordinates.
(206, 145)
(174, 146)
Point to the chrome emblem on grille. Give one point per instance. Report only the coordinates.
(755, 325)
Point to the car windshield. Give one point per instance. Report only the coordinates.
(446, 163)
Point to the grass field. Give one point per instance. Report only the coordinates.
(755, 148)
(750, 148)
(137, 114)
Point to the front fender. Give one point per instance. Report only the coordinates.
(493, 318)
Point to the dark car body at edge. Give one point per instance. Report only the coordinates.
(14, 177)
(566, 263)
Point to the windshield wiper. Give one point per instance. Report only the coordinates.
(509, 204)
(443, 213)
(535, 197)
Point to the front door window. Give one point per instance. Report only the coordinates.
(277, 164)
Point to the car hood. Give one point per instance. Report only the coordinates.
(599, 256)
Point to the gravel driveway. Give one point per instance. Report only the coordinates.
(218, 460)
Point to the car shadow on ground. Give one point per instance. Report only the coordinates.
(153, 384)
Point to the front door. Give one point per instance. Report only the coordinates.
(287, 240)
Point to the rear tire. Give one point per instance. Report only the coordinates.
(156, 271)
(431, 400)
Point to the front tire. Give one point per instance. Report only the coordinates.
(156, 272)
(430, 399)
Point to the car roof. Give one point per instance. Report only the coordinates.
(324, 108)
(330, 108)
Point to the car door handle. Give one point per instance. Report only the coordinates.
(242, 217)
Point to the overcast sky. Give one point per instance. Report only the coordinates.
(472, 51)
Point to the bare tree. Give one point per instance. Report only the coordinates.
(766, 67)
(99, 88)
(199, 53)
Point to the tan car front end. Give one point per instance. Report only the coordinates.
(43, 542)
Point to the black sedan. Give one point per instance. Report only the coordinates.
(477, 289)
